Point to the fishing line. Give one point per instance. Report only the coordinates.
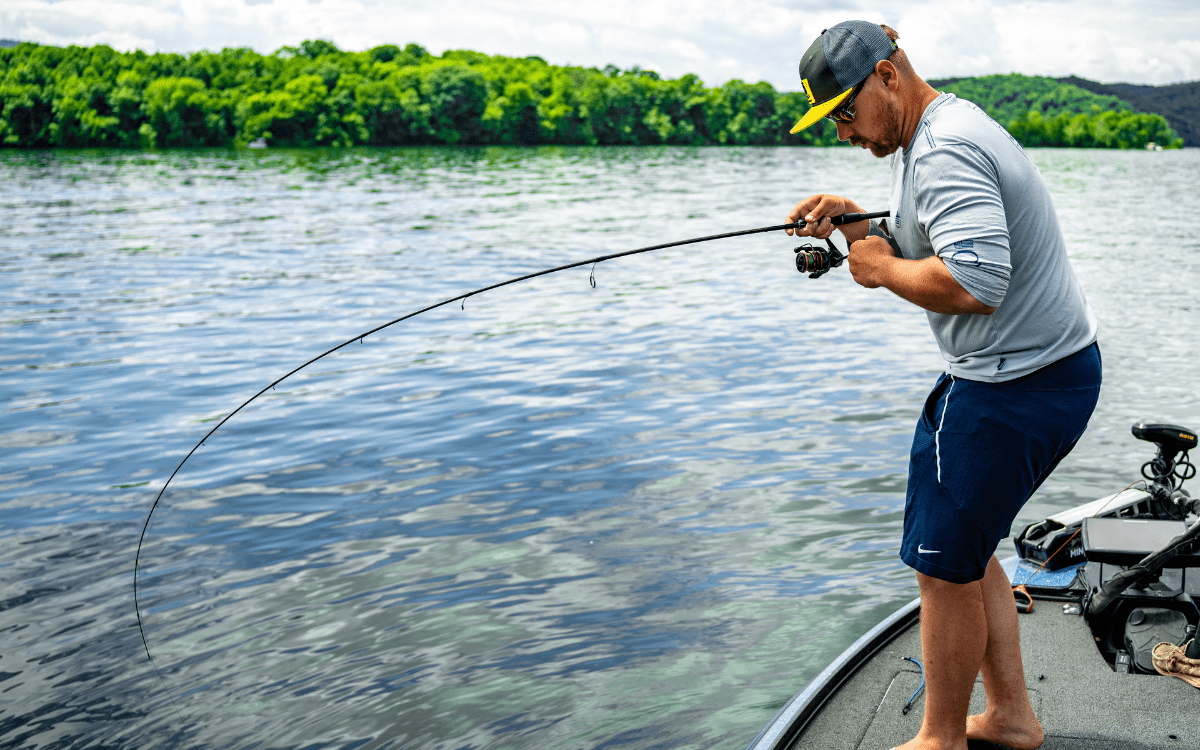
(495, 301)
(836, 220)
(613, 279)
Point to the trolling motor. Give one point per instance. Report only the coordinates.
(1170, 500)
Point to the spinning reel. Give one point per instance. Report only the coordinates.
(816, 261)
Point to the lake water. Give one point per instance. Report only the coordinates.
(636, 516)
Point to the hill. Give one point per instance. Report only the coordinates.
(1004, 97)
(1042, 111)
(1179, 103)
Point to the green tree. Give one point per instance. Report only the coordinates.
(183, 112)
(286, 117)
(457, 97)
(392, 110)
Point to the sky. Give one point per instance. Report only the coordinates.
(1147, 42)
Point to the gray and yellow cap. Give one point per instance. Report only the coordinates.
(840, 59)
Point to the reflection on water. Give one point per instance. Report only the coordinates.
(640, 515)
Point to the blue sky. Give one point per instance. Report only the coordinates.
(1149, 41)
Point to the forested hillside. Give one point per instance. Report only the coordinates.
(315, 94)
(318, 95)
(1042, 111)
(1179, 103)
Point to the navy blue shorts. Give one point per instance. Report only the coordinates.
(980, 451)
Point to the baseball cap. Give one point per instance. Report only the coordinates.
(840, 59)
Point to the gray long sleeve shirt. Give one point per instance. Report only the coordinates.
(965, 190)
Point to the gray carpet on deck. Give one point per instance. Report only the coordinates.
(1081, 702)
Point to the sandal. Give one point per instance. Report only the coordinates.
(1172, 661)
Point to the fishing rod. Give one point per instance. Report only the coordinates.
(815, 261)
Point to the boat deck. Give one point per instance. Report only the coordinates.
(1082, 703)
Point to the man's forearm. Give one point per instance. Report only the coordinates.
(927, 283)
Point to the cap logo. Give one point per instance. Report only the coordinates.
(811, 99)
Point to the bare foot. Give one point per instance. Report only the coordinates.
(926, 743)
(1022, 734)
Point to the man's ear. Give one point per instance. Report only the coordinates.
(887, 73)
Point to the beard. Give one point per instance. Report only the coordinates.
(889, 142)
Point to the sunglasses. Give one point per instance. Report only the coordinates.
(845, 111)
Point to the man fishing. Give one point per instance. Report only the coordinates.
(975, 241)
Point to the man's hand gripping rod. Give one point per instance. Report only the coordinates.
(816, 261)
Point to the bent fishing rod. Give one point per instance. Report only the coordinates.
(815, 261)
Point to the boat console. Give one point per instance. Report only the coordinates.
(1135, 556)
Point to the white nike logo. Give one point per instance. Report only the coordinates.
(923, 551)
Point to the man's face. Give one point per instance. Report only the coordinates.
(876, 124)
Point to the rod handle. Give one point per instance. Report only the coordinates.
(854, 218)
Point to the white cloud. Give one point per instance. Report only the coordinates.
(1105, 40)
(1151, 41)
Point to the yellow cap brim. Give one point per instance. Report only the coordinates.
(820, 110)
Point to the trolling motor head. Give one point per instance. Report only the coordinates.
(1171, 439)
(816, 261)
(1163, 470)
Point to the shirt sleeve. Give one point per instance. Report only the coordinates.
(959, 205)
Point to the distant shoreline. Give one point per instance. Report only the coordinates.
(318, 95)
